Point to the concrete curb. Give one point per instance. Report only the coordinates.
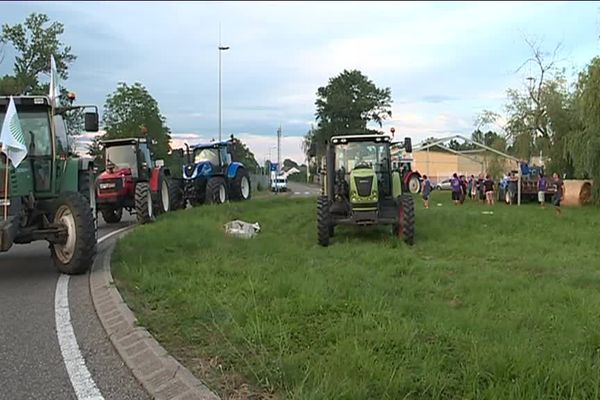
(163, 377)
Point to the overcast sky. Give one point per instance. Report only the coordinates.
(444, 62)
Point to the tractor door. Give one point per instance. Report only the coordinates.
(144, 161)
(224, 160)
(38, 138)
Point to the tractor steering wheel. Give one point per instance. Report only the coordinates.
(362, 164)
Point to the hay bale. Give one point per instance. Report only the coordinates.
(577, 192)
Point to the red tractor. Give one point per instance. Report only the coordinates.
(133, 181)
(411, 180)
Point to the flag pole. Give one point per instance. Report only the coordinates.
(6, 188)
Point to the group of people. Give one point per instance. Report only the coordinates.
(482, 189)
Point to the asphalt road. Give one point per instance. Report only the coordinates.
(303, 189)
(31, 361)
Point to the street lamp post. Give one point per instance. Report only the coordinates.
(221, 49)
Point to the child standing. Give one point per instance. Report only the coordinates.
(426, 191)
(559, 192)
(456, 188)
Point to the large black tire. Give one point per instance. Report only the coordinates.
(405, 227)
(240, 186)
(76, 255)
(112, 215)
(324, 225)
(144, 209)
(175, 194)
(87, 187)
(216, 191)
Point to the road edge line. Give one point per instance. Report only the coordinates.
(82, 382)
(159, 373)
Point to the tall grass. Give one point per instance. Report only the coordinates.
(482, 307)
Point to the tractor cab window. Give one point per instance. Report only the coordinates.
(123, 156)
(225, 156)
(362, 155)
(147, 158)
(61, 134)
(209, 154)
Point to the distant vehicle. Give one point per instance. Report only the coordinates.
(279, 184)
(444, 185)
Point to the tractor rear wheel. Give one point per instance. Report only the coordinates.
(405, 227)
(112, 215)
(76, 254)
(144, 209)
(240, 187)
(87, 188)
(324, 225)
(216, 192)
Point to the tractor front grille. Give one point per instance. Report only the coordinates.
(110, 185)
(363, 185)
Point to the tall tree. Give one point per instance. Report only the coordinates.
(346, 105)
(130, 111)
(35, 41)
(242, 153)
(584, 145)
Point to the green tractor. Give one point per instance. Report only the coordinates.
(50, 193)
(360, 188)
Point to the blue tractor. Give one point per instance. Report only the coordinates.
(211, 176)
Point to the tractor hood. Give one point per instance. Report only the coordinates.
(363, 186)
(193, 171)
(115, 173)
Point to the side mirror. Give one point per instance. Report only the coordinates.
(91, 122)
(408, 145)
(159, 163)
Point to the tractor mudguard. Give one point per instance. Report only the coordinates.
(155, 180)
(232, 169)
(396, 184)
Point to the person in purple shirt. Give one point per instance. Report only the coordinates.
(542, 187)
(455, 184)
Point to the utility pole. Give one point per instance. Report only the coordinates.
(221, 49)
(279, 150)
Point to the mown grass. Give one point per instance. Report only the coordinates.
(482, 307)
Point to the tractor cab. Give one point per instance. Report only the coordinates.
(361, 188)
(128, 157)
(207, 159)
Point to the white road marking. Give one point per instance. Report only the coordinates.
(81, 379)
(306, 192)
(297, 193)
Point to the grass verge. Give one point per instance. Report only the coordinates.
(482, 307)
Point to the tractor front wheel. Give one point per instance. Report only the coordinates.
(216, 192)
(324, 225)
(112, 215)
(175, 195)
(144, 209)
(76, 253)
(240, 187)
(405, 227)
(164, 196)
(414, 184)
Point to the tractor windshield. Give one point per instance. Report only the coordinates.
(36, 128)
(362, 154)
(122, 156)
(208, 154)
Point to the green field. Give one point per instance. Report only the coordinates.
(482, 307)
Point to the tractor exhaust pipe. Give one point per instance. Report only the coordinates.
(188, 154)
(330, 171)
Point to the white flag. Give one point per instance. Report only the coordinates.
(11, 137)
(53, 81)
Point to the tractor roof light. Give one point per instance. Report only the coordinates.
(71, 96)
